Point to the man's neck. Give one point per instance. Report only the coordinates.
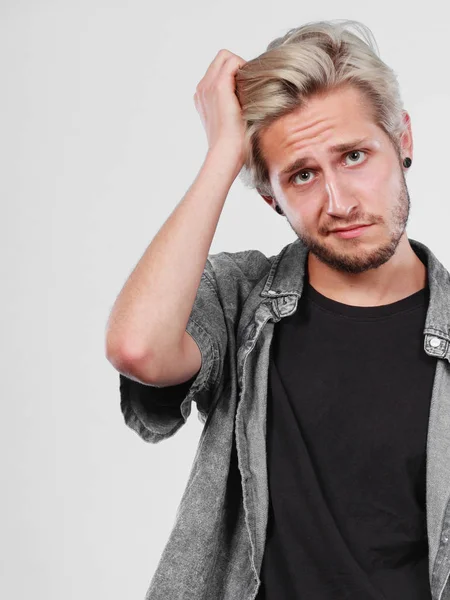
(401, 276)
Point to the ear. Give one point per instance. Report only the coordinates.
(270, 201)
(406, 140)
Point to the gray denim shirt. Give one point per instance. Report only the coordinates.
(215, 548)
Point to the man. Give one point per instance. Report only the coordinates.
(321, 374)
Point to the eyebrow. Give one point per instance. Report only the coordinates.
(299, 163)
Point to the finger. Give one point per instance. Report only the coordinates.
(222, 58)
(230, 67)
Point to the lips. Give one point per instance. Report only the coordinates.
(351, 232)
(351, 227)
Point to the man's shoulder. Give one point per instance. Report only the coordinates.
(248, 265)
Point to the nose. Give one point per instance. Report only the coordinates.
(339, 201)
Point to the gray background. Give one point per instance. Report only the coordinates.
(99, 140)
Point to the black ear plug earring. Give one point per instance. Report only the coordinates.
(278, 209)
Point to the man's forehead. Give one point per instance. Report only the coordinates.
(344, 113)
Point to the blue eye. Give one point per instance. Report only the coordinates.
(301, 173)
(355, 152)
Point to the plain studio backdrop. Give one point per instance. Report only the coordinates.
(99, 141)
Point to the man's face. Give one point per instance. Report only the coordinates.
(361, 184)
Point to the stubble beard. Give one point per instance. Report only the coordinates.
(356, 259)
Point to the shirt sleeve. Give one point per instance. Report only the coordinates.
(156, 413)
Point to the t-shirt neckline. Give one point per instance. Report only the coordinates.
(419, 298)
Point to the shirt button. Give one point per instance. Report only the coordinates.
(435, 342)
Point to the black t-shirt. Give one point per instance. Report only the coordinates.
(348, 403)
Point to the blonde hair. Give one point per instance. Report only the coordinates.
(313, 59)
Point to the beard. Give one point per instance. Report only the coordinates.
(362, 260)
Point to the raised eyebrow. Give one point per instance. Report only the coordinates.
(299, 163)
